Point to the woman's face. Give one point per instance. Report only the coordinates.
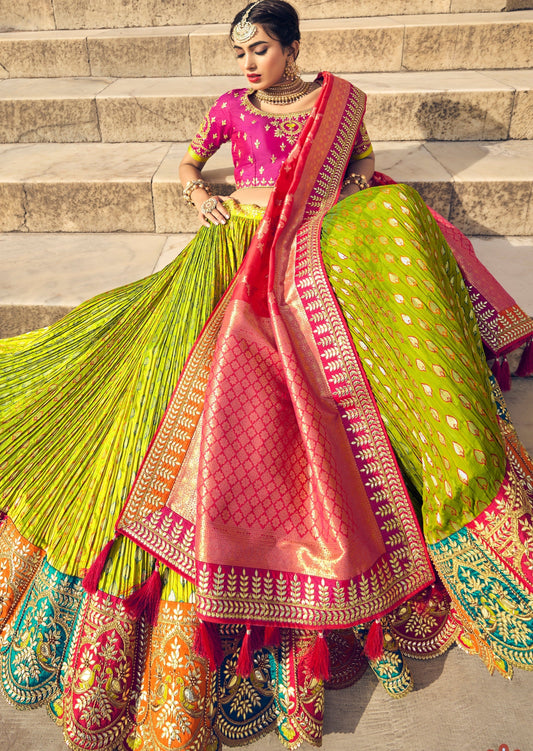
(263, 59)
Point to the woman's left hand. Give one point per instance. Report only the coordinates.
(213, 211)
(348, 190)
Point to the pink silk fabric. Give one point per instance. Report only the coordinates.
(301, 516)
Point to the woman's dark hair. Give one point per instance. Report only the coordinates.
(278, 18)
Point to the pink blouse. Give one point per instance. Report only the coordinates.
(260, 141)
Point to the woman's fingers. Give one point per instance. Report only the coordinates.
(213, 211)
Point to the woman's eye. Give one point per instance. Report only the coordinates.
(240, 55)
(261, 52)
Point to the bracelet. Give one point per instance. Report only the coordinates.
(354, 179)
(191, 186)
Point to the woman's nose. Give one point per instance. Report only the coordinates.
(249, 62)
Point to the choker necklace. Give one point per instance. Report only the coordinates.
(284, 93)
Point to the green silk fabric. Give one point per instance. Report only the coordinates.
(412, 322)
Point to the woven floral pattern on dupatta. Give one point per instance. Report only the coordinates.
(271, 482)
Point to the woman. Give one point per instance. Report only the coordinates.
(331, 399)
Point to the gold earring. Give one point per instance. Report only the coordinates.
(291, 69)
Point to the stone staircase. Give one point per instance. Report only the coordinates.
(98, 102)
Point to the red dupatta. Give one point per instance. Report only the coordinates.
(271, 482)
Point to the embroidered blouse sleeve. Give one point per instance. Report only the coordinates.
(215, 130)
(362, 146)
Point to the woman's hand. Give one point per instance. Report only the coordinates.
(211, 209)
(348, 190)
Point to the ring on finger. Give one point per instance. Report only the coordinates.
(208, 206)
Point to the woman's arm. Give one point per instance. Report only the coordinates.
(189, 170)
(364, 167)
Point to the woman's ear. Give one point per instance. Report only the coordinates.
(295, 47)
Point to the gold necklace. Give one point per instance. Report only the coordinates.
(284, 93)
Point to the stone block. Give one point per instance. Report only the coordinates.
(492, 186)
(211, 52)
(26, 14)
(473, 45)
(43, 54)
(522, 119)
(492, 208)
(100, 14)
(78, 14)
(522, 116)
(519, 5)
(49, 110)
(156, 109)
(439, 115)
(12, 207)
(62, 121)
(363, 8)
(474, 6)
(339, 49)
(141, 52)
(18, 319)
(89, 207)
(84, 187)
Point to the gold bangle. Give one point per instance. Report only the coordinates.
(355, 179)
(191, 186)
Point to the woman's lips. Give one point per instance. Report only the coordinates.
(253, 78)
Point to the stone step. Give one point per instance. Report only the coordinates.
(483, 187)
(71, 14)
(412, 42)
(46, 275)
(443, 105)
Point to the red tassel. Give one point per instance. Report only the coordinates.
(505, 375)
(272, 636)
(92, 577)
(525, 368)
(315, 662)
(257, 638)
(245, 662)
(146, 599)
(496, 369)
(207, 644)
(374, 641)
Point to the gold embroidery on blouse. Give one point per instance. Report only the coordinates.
(245, 101)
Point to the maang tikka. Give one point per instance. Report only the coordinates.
(245, 30)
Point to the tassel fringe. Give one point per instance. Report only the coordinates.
(525, 368)
(315, 662)
(501, 372)
(245, 662)
(92, 577)
(505, 375)
(207, 644)
(374, 641)
(146, 599)
(496, 369)
(272, 636)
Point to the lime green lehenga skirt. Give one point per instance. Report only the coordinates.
(80, 402)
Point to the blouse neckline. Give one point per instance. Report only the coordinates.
(245, 99)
